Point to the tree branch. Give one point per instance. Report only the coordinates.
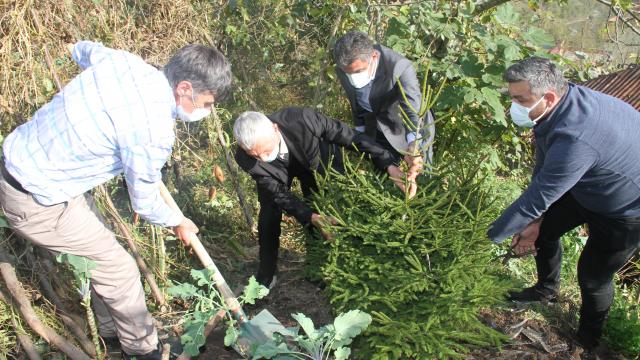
(488, 5)
(619, 13)
(24, 306)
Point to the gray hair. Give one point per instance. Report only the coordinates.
(354, 45)
(250, 127)
(206, 68)
(542, 75)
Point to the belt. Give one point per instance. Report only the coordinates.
(10, 179)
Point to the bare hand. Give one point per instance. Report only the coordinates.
(397, 176)
(185, 230)
(413, 189)
(321, 222)
(69, 47)
(524, 243)
(414, 161)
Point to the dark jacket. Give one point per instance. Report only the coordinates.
(589, 146)
(304, 131)
(386, 98)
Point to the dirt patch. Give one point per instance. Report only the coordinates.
(291, 295)
(540, 331)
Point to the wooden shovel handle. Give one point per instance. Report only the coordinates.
(205, 259)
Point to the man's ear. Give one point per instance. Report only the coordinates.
(183, 88)
(552, 98)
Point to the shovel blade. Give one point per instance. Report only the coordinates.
(258, 330)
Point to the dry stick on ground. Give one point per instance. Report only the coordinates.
(52, 294)
(233, 170)
(60, 309)
(155, 290)
(23, 339)
(24, 306)
(157, 294)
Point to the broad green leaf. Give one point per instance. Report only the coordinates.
(342, 353)
(80, 265)
(306, 324)
(253, 291)
(269, 349)
(349, 325)
(506, 15)
(230, 336)
(492, 97)
(512, 52)
(539, 37)
(3, 222)
(203, 276)
(183, 291)
(193, 337)
(310, 346)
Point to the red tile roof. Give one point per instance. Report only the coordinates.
(623, 84)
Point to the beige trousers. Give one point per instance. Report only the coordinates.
(76, 227)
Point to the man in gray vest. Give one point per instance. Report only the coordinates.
(372, 77)
(587, 171)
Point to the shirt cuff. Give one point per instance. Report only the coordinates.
(411, 137)
(175, 219)
(360, 128)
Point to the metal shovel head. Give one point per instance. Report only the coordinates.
(258, 331)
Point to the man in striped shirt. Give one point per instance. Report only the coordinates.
(116, 117)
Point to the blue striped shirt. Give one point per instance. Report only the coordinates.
(116, 117)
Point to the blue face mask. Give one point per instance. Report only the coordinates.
(520, 114)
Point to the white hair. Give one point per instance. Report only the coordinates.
(250, 127)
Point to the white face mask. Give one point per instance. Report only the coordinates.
(361, 79)
(273, 155)
(520, 114)
(196, 115)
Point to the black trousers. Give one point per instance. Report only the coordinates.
(610, 245)
(270, 216)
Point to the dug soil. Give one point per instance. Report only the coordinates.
(531, 335)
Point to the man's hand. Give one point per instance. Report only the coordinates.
(322, 222)
(524, 243)
(397, 176)
(414, 162)
(69, 47)
(184, 230)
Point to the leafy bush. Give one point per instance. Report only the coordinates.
(622, 331)
(315, 344)
(421, 267)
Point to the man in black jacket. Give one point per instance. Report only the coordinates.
(372, 76)
(294, 142)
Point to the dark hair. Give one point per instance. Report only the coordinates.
(542, 75)
(354, 45)
(206, 68)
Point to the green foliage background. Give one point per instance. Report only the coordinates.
(281, 56)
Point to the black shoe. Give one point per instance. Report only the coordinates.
(268, 282)
(113, 347)
(153, 355)
(531, 294)
(587, 341)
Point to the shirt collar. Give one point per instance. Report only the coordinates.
(543, 127)
(174, 106)
(284, 150)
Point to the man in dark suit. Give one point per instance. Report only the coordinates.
(371, 76)
(293, 143)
